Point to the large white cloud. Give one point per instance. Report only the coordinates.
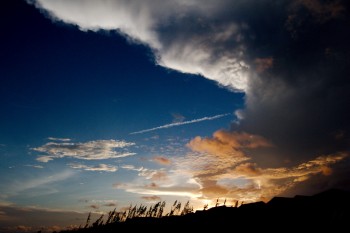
(188, 36)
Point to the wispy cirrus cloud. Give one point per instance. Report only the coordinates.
(34, 166)
(100, 167)
(148, 174)
(91, 150)
(28, 185)
(181, 123)
(59, 139)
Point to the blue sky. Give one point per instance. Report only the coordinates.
(107, 104)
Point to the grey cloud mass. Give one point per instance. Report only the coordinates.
(290, 58)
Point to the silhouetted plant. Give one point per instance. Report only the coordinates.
(205, 207)
(88, 221)
(98, 222)
(140, 212)
(172, 209)
(187, 209)
(175, 209)
(110, 216)
(161, 209)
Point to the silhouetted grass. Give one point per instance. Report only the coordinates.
(326, 211)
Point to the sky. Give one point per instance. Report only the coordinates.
(110, 103)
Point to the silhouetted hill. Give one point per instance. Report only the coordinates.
(329, 210)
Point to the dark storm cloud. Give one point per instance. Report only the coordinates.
(290, 58)
(300, 103)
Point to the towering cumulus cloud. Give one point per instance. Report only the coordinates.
(290, 58)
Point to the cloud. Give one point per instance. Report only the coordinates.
(44, 159)
(100, 167)
(161, 160)
(148, 174)
(207, 176)
(111, 204)
(225, 143)
(160, 183)
(39, 182)
(194, 38)
(181, 123)
(151, 198)
(151, 185)
(320, 10)
(59, 139)
(95, 207)
(177, 117)
(263, 64)
(249, 169)
(92, 150)
(247, 181)
(170, 190)
(34, 166)
(132, 167)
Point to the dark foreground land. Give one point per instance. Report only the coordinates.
(326, 212)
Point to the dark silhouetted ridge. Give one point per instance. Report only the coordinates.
(329, 210)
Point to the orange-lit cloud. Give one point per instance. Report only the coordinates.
(219, 172)
(225, 143)
(94, 207)
(327, 171)
(161, 160)
(249, 169)
(220, 167)
(263, 64)
(151, 198)
(212, 189)
(159, 176)
(151, 185)
(111, 204)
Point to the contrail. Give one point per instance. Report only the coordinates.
(181, 123)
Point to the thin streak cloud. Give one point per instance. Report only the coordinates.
(181, 123)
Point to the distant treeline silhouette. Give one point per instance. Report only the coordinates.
(329, 210)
